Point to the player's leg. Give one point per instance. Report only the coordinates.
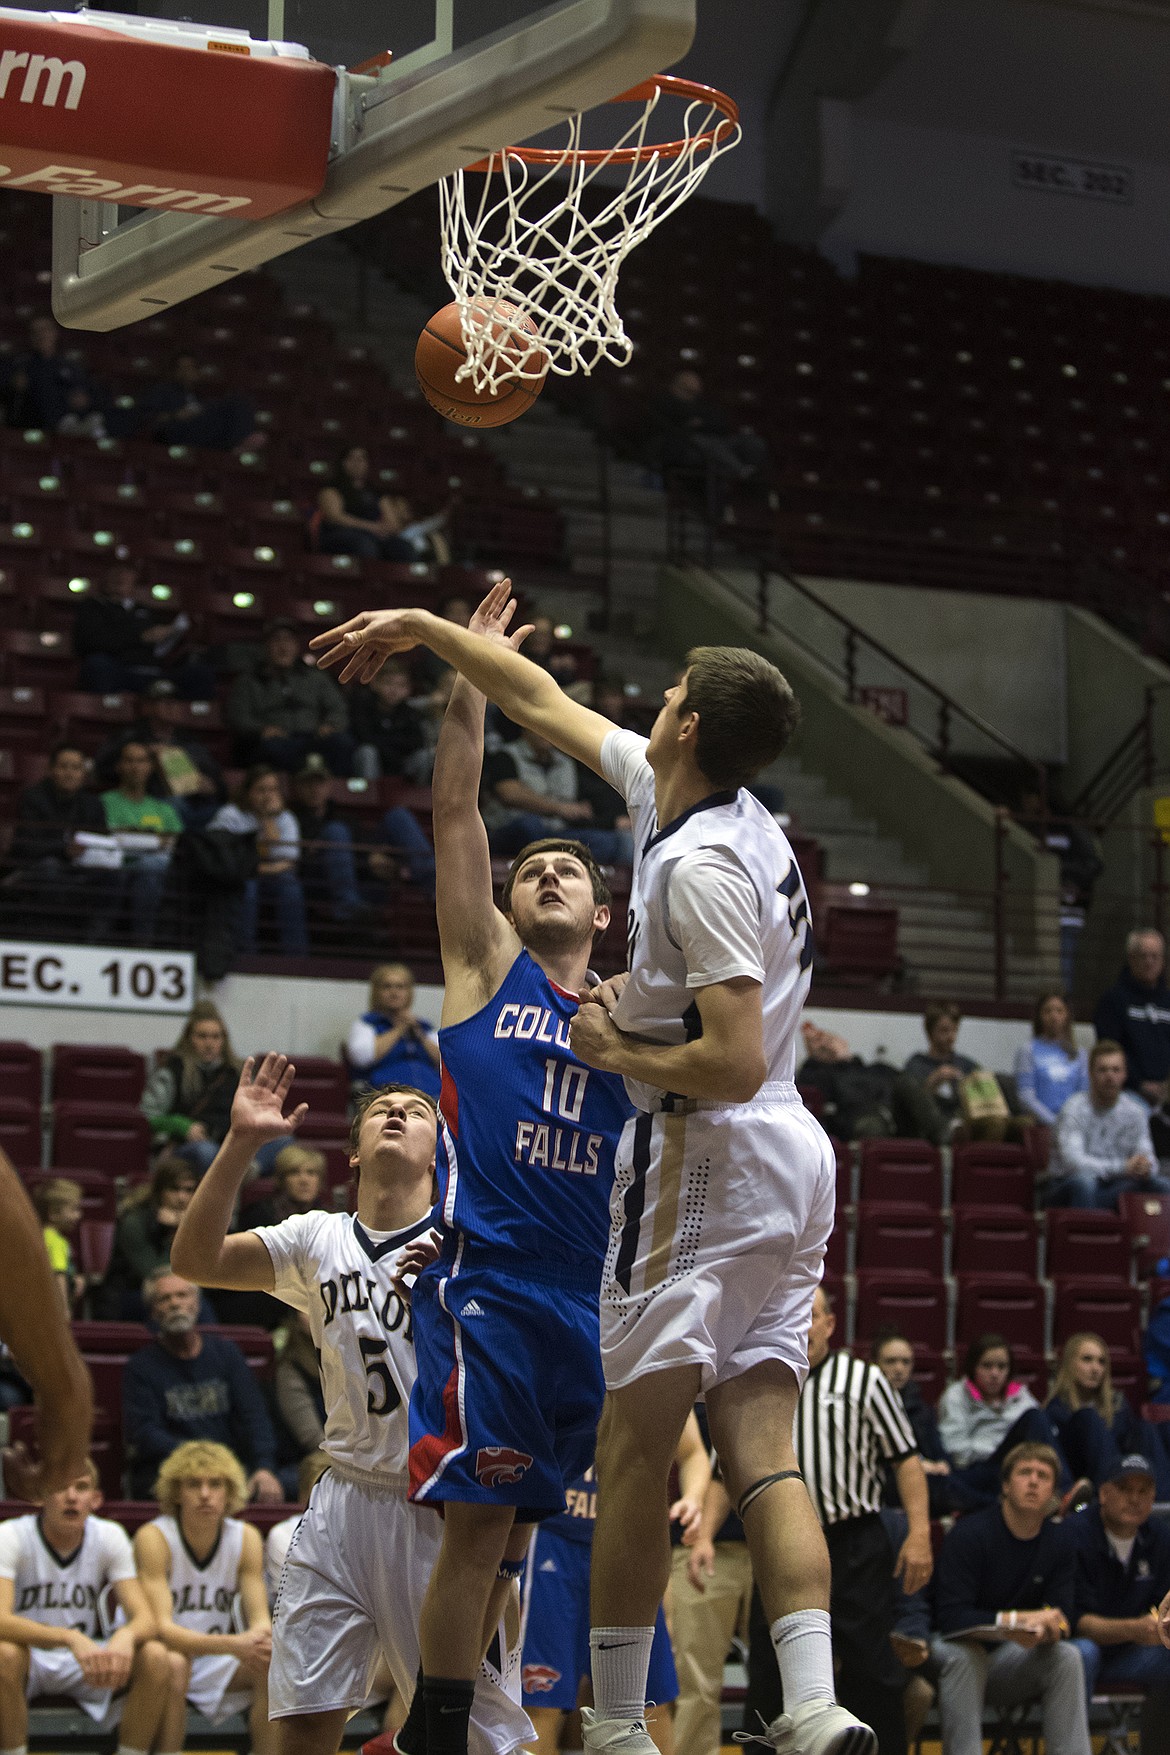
(263, 1730)
(13, 1705)
(547, 1722)
(172, 1731)
(311, 1733)
(147, 1697)
(455, 1615)
(639, 1433)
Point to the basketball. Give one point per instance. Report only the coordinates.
(440, 353)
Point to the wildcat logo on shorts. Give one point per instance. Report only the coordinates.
(539, 1678)
(497, 1466)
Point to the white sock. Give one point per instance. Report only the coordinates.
(125, 1749)
(804, 1651)
(621, 1662)
(21, 1749)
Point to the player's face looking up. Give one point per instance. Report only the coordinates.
(204, 1497)
(552, 906)
(397, 1132)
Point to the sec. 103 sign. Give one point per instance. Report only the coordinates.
(96, 978)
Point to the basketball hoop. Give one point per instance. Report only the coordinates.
(553, 249)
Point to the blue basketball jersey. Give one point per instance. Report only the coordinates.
(526, 1149)
(577, 1520)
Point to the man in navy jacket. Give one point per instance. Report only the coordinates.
(1004, 1603)
(1122, 1574)
(1135, 1011)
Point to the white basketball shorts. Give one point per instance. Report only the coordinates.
(718, 1225)
(350, 1593)
(57, 1671)
(210, 1689)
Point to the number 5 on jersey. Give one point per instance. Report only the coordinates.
(799, 918)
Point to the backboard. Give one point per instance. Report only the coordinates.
(466, 78)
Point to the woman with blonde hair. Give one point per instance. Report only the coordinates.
(299, 1173)
(188, 1097)
(388, 1045)
(1095, 1424)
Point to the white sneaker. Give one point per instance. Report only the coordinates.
(819, 1727)
(616, 1736)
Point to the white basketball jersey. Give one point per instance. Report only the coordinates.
(328, 1266)
(722, 874)
(58, 1590)
(203, 1592)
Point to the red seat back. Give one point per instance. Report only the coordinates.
(1012, 1308)
(899, 1238)
(1111, 1311)
(993, 1240)
(992, 1175)
(20, 1071)
(101, 1137)
(20, 1131)
(1146, 1220)
(322, 1084)
(85, 1073)
(99, 1194)
(902, 1170)
(1086, 1245)
(917, 1306)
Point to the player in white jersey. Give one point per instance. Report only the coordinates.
(203, 1573)
(723, 1198)
(360, 1559)
(75, 1621)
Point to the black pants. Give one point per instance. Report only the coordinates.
(870, 1680)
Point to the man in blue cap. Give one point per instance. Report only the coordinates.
(1123, 1572)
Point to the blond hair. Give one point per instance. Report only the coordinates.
(290, 1159)
(49, 1197)
(199, 1456)
(377, 973)
(1064, 1384)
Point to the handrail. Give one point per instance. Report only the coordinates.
(1106, 794)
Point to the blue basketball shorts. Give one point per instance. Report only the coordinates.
(509, 1388)
(556, 1628)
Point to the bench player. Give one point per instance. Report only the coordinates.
(196, 1561)
(352, 1585)
(58, 1567)
(723, 1200)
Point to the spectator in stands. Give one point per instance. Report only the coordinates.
(286, 708)
(430, 708)
(56, 886)
(530, 792)
(187, 1385)
(194, 778)
(49, 376)
(328, 863)
(177, 411)
(1093, 1422)
(1050, 1068)
(56, 1566)
(125, 641)
(388, 1045)
(403, 852)
(147, 1222)
(261, 811)
(188, 1096)
(426, 538)
(353, 518)
(299, 1172)
(893, 1354)
(1103, 1147)
(982, 1416)
(609, 697)
(200, 1488)
(1135, 1012)
(690, 435)
(1122, 1574)
(146, 825)
(386, 725)
(856, 1099)
(298, 1386)
(926, 1098)
(58, 1204)
(1010, 1567)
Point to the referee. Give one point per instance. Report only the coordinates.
(849, 1424)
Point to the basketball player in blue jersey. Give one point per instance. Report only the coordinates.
(504, 1413)
(723, 1197)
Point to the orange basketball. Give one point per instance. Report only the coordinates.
(440, 353)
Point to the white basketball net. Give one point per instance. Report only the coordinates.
(516, 233)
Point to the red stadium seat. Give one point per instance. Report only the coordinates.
(1146, 1218)
(1129, 1376)
(916, 1306)
(326, 1127)
(902, 1170)
(95, 1246)
(1111, 1311)
(99, 1194)
(1012, 1308)
(993, 1240)
(92, 1136)
(24, 719)
(1086, 1245)
(836, 1251)
(992, 1175)
(35, 660)
(20, 1072)
(105, 1445)
(20, 1132)
(110, 1340)
(844, 1157)
(97, 1074)
(859, 944)
(322, 1084)
(898, 1237)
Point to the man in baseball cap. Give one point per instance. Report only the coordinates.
(1123, 1572)
(285, 710)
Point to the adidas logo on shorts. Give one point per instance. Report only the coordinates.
(548, 1566)
(473, 1308)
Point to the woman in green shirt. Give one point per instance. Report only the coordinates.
(135, 816)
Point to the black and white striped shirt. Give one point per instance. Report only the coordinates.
(849, 1422)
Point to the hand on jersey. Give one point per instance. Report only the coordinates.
(594, 1037)
(258, 1105)
(414, 1258)
(605, 993)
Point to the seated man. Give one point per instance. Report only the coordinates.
(926, 1097)
(328, 868)
(187, 1385)
(531, 791)
(1123, 1572)
(55, 1565)
(1103, 1147)
(194, 1560)
(1004, 1603)
(125, 640)
(284, 709)
(178, 411)
(55, 887)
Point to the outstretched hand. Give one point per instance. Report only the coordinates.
(493, 617)
(364, 643)
(258, 1105)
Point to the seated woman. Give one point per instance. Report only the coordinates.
(299, 1173)
(147, 1222)
(354, 519)
(980, 1417)
(188, 1096)
(260, 810)
(388, 1045)
(1050, 1068)
(1094, 1422)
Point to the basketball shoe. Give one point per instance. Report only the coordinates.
(819, 1727)
(615, 1736)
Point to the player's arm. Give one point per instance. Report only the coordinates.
(253, 1593)
(33, 1323)
(475, 939)
(202, 1250)
(694, 1477)
(726, 1062)
(525, 692)
(140, 1623)
(23, 1630)
(153, 1558)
